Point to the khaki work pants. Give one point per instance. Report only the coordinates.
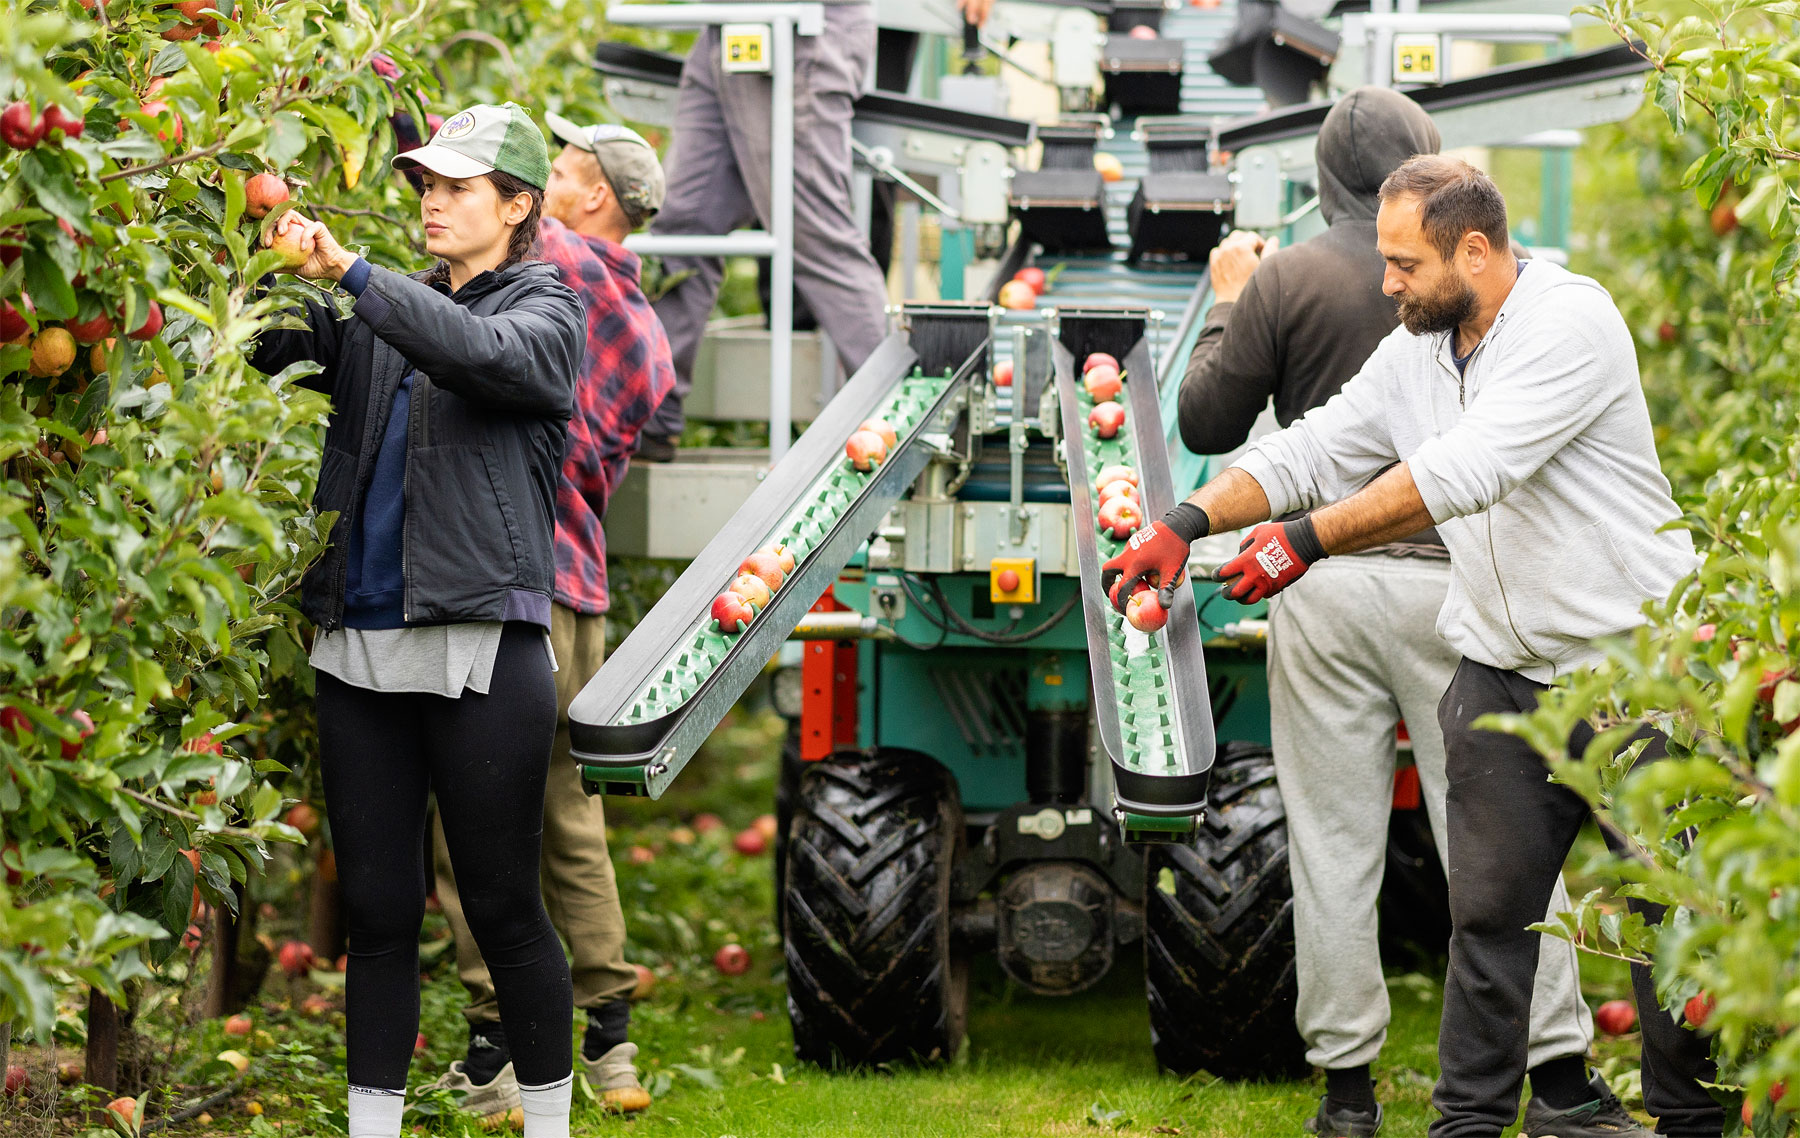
(580, 893)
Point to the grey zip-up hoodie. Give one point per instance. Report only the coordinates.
(1538, 466)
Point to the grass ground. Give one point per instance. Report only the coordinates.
(716, 1051)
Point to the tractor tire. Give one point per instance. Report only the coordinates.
(866, 921)
(1219, 933)
(1415, 897)
(787, 788)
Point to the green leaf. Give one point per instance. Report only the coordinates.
(1668, 99)
(50, 179)
(285, 141)
(49, 287)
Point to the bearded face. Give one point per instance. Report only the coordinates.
(1448, 303)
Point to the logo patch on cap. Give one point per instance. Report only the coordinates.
(457, 127)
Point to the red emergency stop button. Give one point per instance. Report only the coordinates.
(1008, 580)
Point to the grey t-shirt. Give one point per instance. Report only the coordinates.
(438, 659)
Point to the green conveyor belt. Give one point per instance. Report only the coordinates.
(1139, 667)
(814, 516)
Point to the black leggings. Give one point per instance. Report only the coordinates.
(486, 758)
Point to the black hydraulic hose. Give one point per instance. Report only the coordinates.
(1006, 637)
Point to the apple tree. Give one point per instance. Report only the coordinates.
(1714, 831)
(155, 518)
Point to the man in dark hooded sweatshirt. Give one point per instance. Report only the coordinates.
(1356, 648)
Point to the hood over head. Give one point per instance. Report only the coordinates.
(1366, 137)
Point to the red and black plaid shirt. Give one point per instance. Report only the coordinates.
(625, 373)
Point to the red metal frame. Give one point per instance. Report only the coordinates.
(828, 676)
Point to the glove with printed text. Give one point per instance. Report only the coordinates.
(1156, 555)
(1274, 556)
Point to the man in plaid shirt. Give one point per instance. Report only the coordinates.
(605, 183)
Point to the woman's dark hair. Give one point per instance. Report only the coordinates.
(523, 244)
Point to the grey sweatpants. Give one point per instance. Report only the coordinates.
(719, 181)
(1353, 647)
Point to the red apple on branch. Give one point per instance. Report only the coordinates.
(1616, 1017)
(263, 193)
(20, 127)
(1698, 1009)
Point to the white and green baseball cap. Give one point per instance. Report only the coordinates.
(482, 139)
(625, 157)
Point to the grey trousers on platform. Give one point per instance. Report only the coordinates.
(719, 181)
(1353, 647)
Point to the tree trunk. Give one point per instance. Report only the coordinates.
(223, 981)
(326, 933)
(5, 1046)
(102, 1042)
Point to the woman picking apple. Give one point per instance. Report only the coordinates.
(451, 392)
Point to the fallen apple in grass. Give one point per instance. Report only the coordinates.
(126, 1109)
(1103, 383)
(640, 855)
(865, 450)
(239, 1027)
(646, 982)
(731, 613)
(765, 566)
(707, 823)
(1106, 419)
(1003, 371)
(1616, 1017)
(750, 843)
(767, 825)
(1018, 296)
(1120, 518)
(732, 960)
(1698, 1009)
(301, 816)
(18, 1081)
(753, 589)
(879, 426)
(1145, 612)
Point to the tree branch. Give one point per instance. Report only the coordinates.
(348, 212)
(175, 160)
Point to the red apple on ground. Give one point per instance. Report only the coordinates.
(750, 842)
(1118, 488)
(153, 322)
(1032, 277)
(1098, 359)
(753, 589)
(1145, 611)
(1003, 372)
(315, 1007)
(1106, 419)
(732, 960)
(1616, 1017)
(707, 823)
(1667, 332)
(236, 1060)
(1103, 383)
(766, 825)
(1018, 296)
(640, 855)
(646, 980)
(880, 427)
(239, 1027)
(69, 1073)
(1120, 518)
(20, 127)
(420, 1043)
(263, 193)
(766, 566)
(84, 726)
(18, 1081)
(731, 613)
(296, 958)
(784, 556)
(126, 1109)
(865, 450)
(343, 963)
(1698, 1009)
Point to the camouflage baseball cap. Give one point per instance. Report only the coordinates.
(627, 160)
(482, 139)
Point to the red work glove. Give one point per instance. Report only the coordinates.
(1274, 556)
(1156, 555)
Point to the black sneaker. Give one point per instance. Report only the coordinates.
(1604, 1117)
(1347, 1122)
(655, 448)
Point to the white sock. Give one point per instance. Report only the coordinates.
(547, 1108)
(375, 1113)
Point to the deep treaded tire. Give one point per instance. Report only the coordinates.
(787, 786)
(1219, 948)
(867, 911)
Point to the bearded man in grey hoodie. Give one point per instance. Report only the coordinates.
(1506, 412)
(1355, 647)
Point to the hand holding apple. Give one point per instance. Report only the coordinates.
(311, 250)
